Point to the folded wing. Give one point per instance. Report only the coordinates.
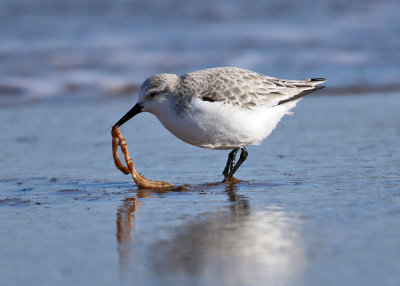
(249, 89)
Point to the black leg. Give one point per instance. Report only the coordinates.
(243, 156)
(230, 163)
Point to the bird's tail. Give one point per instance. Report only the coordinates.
(313, 82)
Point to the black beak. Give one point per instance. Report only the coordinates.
(135, 110)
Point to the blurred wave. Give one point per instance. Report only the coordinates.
(52, 48)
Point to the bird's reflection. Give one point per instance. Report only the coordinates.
(240, 206)
(231, 245)
(125, 217)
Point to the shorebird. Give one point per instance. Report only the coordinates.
(222, 108)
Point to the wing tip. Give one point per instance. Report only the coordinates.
(318, 79)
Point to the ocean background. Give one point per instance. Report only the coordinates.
(51, 48)
(319, 200)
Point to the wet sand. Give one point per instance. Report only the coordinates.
(319, 203)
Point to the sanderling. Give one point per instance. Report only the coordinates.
(220, 108)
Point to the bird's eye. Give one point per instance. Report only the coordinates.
(152, 94)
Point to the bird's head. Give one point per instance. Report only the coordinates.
(153, 93)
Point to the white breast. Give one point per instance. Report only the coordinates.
(216, 125)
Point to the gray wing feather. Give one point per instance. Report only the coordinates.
(246, 88)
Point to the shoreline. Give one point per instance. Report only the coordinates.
(10, 94)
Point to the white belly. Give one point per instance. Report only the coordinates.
(221, 126)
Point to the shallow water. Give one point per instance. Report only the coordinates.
(319, 203)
